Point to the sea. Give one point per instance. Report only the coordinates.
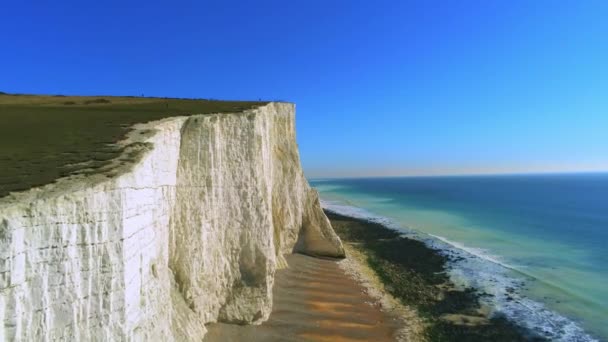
(536, 244)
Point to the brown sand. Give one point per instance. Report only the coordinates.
(315, 300)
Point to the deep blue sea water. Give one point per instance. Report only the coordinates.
(543, 237)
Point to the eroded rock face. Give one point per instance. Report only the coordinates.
(192, 233)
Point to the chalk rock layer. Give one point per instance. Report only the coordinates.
(191, 232)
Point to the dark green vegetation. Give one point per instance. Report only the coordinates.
(43, 138)
(415, 274)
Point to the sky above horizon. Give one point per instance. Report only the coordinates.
(382, 88)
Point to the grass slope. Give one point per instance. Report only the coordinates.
(43, 138)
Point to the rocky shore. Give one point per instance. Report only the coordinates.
(414, 275)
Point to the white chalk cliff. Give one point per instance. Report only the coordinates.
(188, 228)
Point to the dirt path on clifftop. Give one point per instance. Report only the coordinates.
(315, 300)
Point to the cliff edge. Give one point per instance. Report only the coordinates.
(187, 229)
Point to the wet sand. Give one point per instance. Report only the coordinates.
(315, 300)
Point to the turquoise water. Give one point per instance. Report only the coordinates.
(544, 235)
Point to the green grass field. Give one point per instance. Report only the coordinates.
(43, 137)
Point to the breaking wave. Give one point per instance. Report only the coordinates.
(478, 268)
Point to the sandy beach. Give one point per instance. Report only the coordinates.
(317, 300)
(389, 288)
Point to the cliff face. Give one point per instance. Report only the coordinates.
(188, 232)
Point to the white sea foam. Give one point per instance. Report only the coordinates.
(478, 268)
(478, 252)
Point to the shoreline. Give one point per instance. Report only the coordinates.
(355, 265)
(416, 275)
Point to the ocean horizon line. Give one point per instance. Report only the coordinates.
(463, 175)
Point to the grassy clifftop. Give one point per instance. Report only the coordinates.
(43, 138)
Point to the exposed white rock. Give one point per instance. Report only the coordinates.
(191, 232)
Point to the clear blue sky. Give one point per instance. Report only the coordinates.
(381, 87)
